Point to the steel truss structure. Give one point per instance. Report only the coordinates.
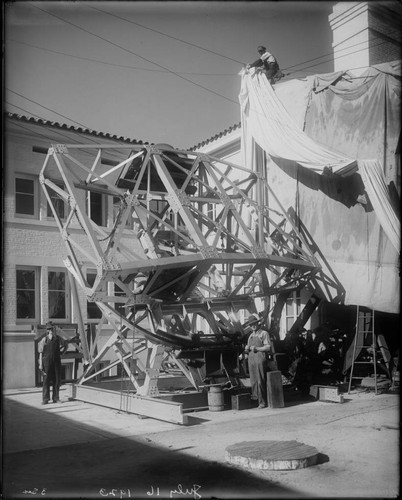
(197, 244)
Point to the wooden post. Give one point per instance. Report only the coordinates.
(275, 390)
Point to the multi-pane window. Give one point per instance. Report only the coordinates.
(25, 196)
(27, 293)
(58, 295)
(93, 311)
(57, 202)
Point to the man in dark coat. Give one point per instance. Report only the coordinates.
(268, 63)
(50, 350)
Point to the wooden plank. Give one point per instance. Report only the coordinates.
(168, 411)
(275, 390)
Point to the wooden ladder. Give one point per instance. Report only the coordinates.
(365, 338)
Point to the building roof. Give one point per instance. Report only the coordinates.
(71, 128)
(216, 136)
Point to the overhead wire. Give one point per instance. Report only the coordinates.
(127, 66)
(164, 68)
(165, 34)
(135, 54)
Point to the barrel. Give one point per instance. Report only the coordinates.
(215, 398)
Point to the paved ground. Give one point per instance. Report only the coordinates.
(78, 450)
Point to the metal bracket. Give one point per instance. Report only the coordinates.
(58, 148)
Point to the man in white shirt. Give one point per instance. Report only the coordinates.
(268, 64)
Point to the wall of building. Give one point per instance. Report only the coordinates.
(365, 34)
(34, 242)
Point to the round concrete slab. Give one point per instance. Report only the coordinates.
(272, 455)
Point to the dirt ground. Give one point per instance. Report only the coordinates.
(78, 450)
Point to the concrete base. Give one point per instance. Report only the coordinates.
(272, 455)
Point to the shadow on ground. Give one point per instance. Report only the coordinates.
(119, 467)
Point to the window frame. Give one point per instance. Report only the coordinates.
(35, 195)
(67, 291)
(35, 319)
(104, 204)
(295, 301)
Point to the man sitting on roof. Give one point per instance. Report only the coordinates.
(268, 64)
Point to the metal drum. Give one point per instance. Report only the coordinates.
(215, 398)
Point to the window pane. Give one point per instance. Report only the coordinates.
(57, 305)
(25, 186)
(26, 279)
(26, 297)
(24, 204)
(57, 294)
(96, 208)
(24, 196)
(57, 280)
(25, 304)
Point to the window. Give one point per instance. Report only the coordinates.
(93, 311)
(58, 293)
(57, 202)
(96, 208)
(27, 294)
(292, 309)
(26, 196)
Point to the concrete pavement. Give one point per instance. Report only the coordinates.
(78, 450)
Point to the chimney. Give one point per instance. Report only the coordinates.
(365, 34)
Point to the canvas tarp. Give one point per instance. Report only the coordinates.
(360, 244)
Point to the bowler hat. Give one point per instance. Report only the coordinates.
(49, 325)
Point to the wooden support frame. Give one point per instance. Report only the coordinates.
(201, 241)
(168, 411)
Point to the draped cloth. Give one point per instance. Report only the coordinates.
(266, 121)
(363, 257)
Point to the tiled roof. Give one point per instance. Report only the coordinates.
(71, 128)
(216, 136)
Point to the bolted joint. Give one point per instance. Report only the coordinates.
(58, 148)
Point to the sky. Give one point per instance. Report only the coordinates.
(159, 72)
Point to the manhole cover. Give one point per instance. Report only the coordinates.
(272, 455)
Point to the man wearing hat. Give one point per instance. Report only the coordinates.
(50, 349)
(268, 64)
(257, 345)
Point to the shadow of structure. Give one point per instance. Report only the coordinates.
(111, 466)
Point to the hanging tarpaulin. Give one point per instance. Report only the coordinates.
(360, 241)
(266, 121)
(265, 118)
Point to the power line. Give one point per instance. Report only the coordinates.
(137, 55)
(165, 34)
(115, 64)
